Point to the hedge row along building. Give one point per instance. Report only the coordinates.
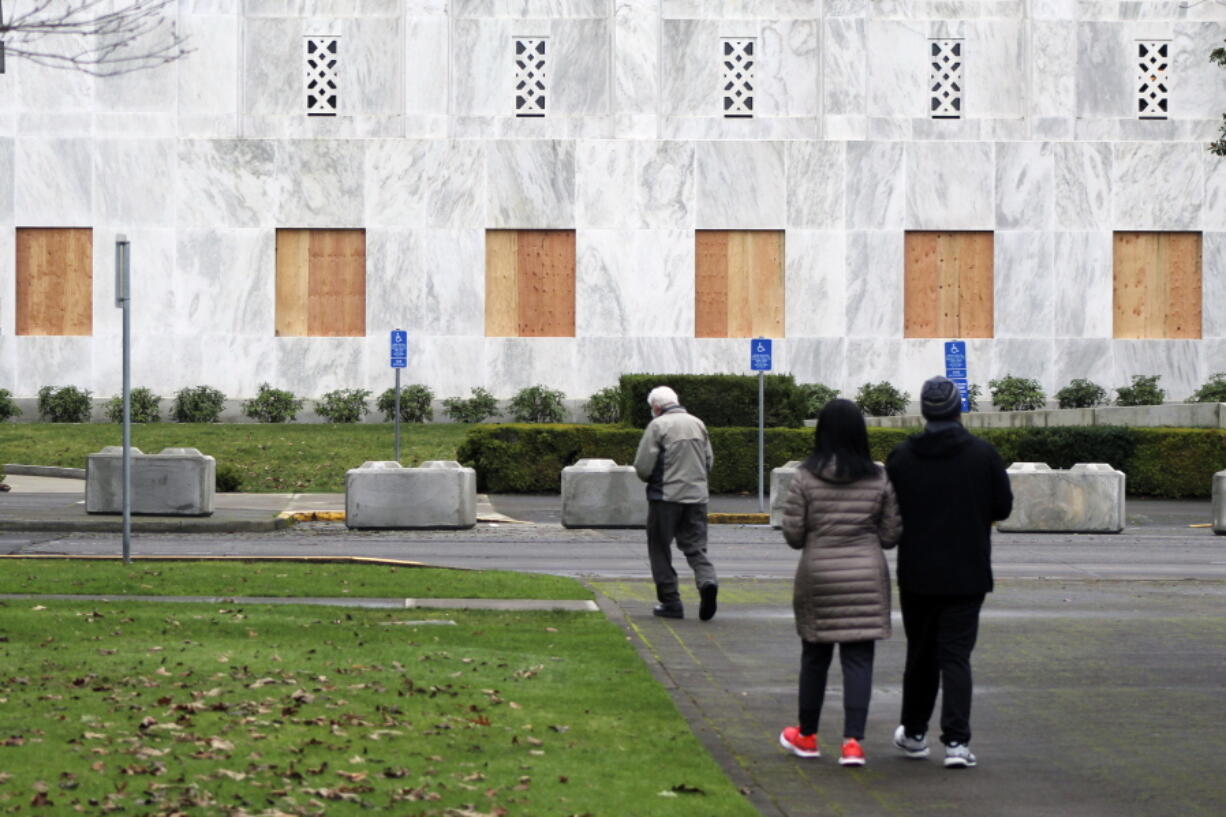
(561, 191)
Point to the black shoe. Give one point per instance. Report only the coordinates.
(707, 594)
(668, 610)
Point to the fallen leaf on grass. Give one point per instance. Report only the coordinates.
(682, 788)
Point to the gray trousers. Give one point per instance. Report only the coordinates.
(687, 523)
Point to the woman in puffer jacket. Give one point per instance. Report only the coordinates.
(840, 513)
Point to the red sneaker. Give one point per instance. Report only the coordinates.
(798, 744)
(853, 753)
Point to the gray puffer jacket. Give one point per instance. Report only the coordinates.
(842, 587)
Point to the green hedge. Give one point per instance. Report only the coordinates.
(1159, 462)
(720, 400)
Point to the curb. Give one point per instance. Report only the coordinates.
(738, 519)
(195, 525)
(16, 469)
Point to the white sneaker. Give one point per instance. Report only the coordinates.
(959, 756)
(915, 747)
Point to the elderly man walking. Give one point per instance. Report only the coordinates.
(674, 459)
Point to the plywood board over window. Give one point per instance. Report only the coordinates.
(948, 285)
(738, 284)
(530, 283)
(55, 281)
(1157, 285)
(321, 283)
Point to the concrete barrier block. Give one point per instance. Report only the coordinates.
(781, 481)
(173, 482)
(602, 494)
(1088, 498)
(436, 494)
(1219, 503)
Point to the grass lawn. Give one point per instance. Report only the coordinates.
(274, 458)
(189, 709)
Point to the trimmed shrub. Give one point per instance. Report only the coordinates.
(881, 399)
(1175, 463)
(66, 404)
(476, 409)
(145, 407)
(416, 404)
(343, 405)
(538, 404)
(605, 406)
(1016, 394)
(973, 393)
(719, 400)
(1214, 391)
(8, 407)
(273, 405)
(197, 404)
(817, 395)
(227, 478)
(1144, 391)
(1081, 393)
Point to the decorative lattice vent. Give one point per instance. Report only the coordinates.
(531, 75)
(738, 57)
(1152, 88)
(322, 75)
(945, 79)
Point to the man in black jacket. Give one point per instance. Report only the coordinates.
(951, 487)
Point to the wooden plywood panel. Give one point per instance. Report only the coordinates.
(336, 292)
(766, 284)
(293, 278)
(921, 285)
(976, 314)
(948, 285)
(1157, 285)
(711, 284)
(545, 278)
(501, 289)
(54, 281)
(1182, 255)
(740, 315)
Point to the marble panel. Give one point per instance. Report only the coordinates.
(949, 130)
(425, 183)
(310, 367)
(636, 56)
(52, 361)
(845, 128)
(7, 151)
(787, 69)
(208, 76)
(844, 72)
(816, 302)
(665, 181)
(8, 286)
(1177, 361)
(156, 302)
(847, 8)
(226, 281)
(428, 50)
(923, 358)
(689, 76)
(1052, 129)
(41, 88)
(980, 357)
(236, 365)
(994, 68)
(227, 183)
(1213, 286)
(600, 361)
(134, 180)
(1106, 71)
(604, 175)
(1197, 87)
(430, 282)
(1157, 186)
(816, 184)
(1083, 284)
(819, 360)
(875, 193)
(53, 183)
(516, 363)
(740, 185)
(874, 284)
(322, 184)
(1023, 284)
(164, 362)
(580, 66)
(1024, 357)
(1053, 9)
(8, 369)
(273, 67)
(482, 72)
(763, 129)
(372, 66)
(726, 356)
(949, 186)
(634, 283)
(1025, 186)
(897, 68)
(1090, 359)
(154, 89)
(451, 366)
(1212, 353)
(1053, 75)
(530, 185)
(1083, 185)
(872, 360)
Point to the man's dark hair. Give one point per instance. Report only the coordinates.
(841, 436)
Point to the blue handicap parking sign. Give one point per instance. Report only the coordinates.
(400, 349)
(760, 355)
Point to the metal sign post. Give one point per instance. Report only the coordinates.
(760, 362)
(123, 300)
(955, 370)
(400, 360)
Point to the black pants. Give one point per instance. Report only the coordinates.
(687, 523)
(857, 660)
(941, 633)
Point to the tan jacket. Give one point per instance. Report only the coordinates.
(675, 457)
(842, 587)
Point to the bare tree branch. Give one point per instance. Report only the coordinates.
(93, 36)
(1218, 148)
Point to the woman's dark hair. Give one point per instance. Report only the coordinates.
(841, 436)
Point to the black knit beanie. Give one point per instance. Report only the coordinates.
(939, 399)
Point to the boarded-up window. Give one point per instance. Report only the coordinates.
(55, 281)
(321, 283)
(530, 283)
(1157, 285)
(738, 284)
(948, 285)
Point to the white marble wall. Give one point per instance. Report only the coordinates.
(200, 162)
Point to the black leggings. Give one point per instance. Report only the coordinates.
(857, 660)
